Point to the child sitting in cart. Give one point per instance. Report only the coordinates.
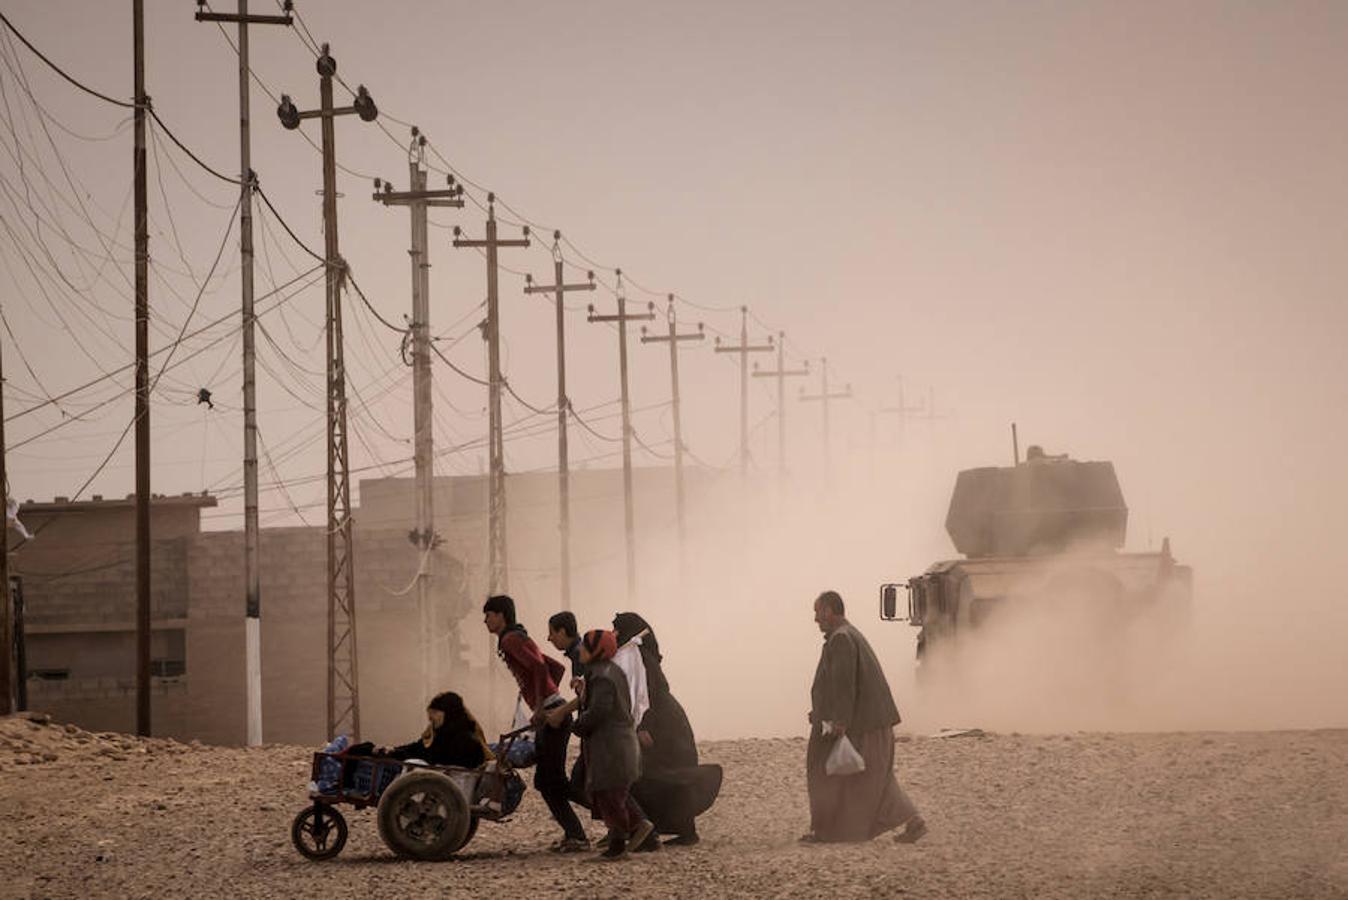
(452, 737)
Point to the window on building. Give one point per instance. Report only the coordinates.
(168, 653)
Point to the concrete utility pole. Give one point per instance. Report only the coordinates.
(825, 397)
(252, 622)
(621, 319)
(781, 373)
(418, 199)
(142, 251)
(673, 338)
(559, 288)
(497, 568)
(343, 677)
(743, 348)
(7, 675)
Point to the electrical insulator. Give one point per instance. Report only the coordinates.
(326, 65)
(288, 114)
(364, 104)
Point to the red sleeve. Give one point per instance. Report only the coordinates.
(531, 670)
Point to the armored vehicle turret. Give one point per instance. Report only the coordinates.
(1045, 533)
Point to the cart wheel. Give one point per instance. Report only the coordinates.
(468, 836)
(424, 815)
(319, 832)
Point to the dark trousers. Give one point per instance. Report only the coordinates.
(616, 808)
(550, 777)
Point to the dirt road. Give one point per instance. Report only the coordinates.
(1120, 815)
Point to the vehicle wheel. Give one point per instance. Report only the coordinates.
(424, 815)
(319, 832)
(467, 835)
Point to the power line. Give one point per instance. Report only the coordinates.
(59, 71)
(91, 383)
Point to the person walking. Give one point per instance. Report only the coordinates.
(674, 789)
(850, 700)
(609, 745)
(537, 676)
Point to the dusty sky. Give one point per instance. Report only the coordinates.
(1120, 225)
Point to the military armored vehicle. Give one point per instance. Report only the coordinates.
(1042, 536)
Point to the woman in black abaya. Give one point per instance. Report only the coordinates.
(674, 789)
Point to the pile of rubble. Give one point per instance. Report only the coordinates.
(32, 739)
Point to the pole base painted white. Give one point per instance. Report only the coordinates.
(252, 629)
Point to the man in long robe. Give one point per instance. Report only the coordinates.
(850, 699)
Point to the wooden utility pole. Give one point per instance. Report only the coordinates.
(252, 622)
(825, 397)
(781, 373)
(559, 288)
(621, 319)
(343, 676)
(743, 348)
(142, 253)
(498, 573)
(673, 338)
(418, 199)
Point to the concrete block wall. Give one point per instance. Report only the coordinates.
(293, 563)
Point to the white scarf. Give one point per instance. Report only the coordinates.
(628, 658)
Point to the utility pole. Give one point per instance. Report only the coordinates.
(825, 397)
(781, 373)
(743, 348)
(559, 288)
(621, 319)
(142, 251)
(342, 671)
(673, 338)
(418, 199)
(252, 622)
(497, 570)
(902, 410)
(7, 674)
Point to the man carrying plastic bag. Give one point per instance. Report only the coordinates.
(849, 762)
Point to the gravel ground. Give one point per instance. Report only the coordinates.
(1258, 814)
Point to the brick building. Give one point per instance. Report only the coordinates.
(78, 578)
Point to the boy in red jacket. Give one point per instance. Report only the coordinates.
(538, 677)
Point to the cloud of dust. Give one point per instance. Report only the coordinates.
(1258, 647)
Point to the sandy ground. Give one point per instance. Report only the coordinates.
(1261, 814)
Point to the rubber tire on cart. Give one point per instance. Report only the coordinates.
(424, 815)
(319, 832)
(468, 836)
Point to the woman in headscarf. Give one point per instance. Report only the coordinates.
(608, 743)
(673, 789)
(452, 736)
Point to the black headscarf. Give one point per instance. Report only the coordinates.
(628, 625)
(665, 720)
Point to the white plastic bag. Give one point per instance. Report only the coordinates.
(523, 716)
(844, 759)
